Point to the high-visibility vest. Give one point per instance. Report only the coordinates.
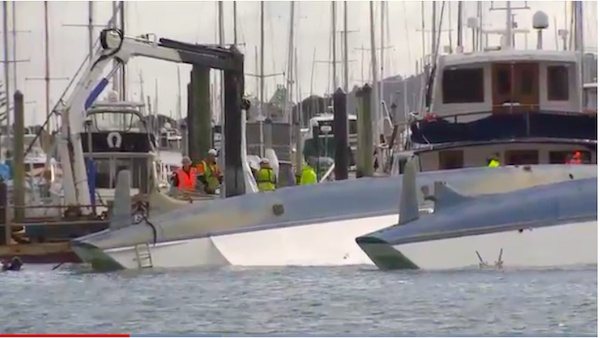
(575, 161)
(265, 179)
(211, 174)
(494, 163)
(186, 181)
(308, 175)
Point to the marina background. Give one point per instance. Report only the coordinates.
(197, 22)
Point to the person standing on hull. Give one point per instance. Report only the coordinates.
(265, 176)
(575, 158)
(494, 161)
(185, 177)
(209, 173)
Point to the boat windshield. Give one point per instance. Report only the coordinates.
(116, 121)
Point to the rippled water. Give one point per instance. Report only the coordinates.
(335, 301)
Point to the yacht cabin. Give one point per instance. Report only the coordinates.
(521, 106)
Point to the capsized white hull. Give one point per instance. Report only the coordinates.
(319, 244)
(552, 246)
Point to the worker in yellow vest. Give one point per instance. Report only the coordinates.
(265, 176)
(308, 175)
(209, 172)
(493, 161)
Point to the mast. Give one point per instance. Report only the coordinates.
(178, 94)
(381, 51)
(6, 71)
(333, 45)
(346, 47)
(14, 41)
(459, 35)
(433, 28)
(91, 30)
(221, 35)
(235, 38)
(375, 92)
(262, 58)
(508, 38)
(123, 91)
(290, 70)
(47, 58)
(117, 77)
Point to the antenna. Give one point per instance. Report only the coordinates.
(509, 34)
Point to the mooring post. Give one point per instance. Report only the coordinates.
(364, 165)
(232, 129)
(200, 116)
(19, 159)
(340, 135)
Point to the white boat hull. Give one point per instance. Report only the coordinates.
(553, 246)
(319, 244)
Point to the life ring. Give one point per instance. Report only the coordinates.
(114, 139)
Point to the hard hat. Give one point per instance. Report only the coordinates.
(577, 153)
(293, 150)
(186, 159)
(212, 152)
(264, 160)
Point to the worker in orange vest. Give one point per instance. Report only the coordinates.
(209, 172)
(186, 176)
(575, 158)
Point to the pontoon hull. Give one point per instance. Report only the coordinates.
(574, 244)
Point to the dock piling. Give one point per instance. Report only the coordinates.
(19, 158)
(364, 165)
(340, 134)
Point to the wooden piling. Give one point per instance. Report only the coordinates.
(19, 158)
(340, 135)
(364, 165)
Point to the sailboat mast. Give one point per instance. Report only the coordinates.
(235, 37)
(123, 91)
(14, 41)
(221, 34)
(346, 47)
(459, 34)
(117, 76)
(91, 29)
(375, 92)
(6, 70)
(179, 109)
(290, 70)
(333, 49)
(262, 57)
(381, 50)
(47, 56)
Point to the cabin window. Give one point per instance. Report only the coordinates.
(462, 85)
(558, 83)
(451, 159)
(521, 157)
(562, 157)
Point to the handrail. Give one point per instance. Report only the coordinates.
(328, 173)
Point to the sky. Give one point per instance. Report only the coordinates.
(197, 22)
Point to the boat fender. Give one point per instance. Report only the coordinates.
(278, 209)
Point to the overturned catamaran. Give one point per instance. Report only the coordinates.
(541, 226)
(305, 225)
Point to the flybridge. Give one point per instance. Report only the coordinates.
(116, 46)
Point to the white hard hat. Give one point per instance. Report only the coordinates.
(264, 160)
(293, 150)
(186, 159)
(212, 152)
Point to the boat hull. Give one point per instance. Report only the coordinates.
(573, 244)
(318, 244)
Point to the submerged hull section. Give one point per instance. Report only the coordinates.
(550, 246)
(318, 244)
